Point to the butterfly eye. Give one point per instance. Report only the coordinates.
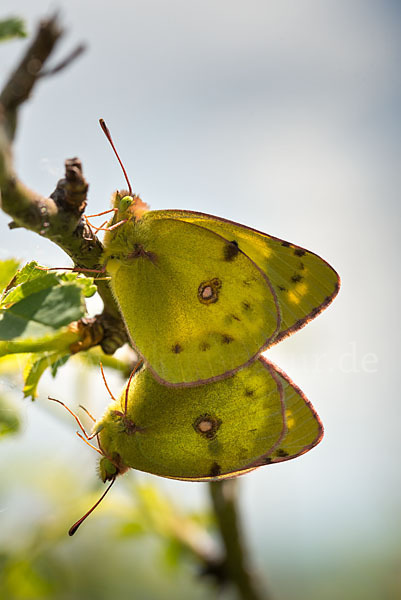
(125, 203)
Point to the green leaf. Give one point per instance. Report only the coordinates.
(9, 420)
(59, 363)
(12, 28)
(36, 367)
(8, 268)
(32, 279)
(37, 302)
(36, 309)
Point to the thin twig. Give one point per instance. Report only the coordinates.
(65, 62)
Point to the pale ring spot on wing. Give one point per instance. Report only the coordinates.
(207, 426)
(208, 291)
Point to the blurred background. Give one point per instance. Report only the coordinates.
(283, 115)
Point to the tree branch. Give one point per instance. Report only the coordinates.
(224, 499)
(58, 217)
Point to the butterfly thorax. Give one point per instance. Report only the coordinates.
(121, 240)
(116, 433)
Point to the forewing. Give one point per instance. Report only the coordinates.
(305, 284)
(197, 308)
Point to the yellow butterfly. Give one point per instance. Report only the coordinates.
(202, 296)
(211, 432)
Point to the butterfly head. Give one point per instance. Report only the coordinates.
(129, 208)
(110, 468)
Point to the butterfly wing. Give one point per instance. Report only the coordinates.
(215, 430)
(305, 284)
(197, 308)
(304, 430)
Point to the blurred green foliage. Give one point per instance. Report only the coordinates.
(12, 27)
(9, 420)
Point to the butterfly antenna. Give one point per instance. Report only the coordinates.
(90, 438)
(88, 413)
(134, 370)
(73, 529)
(82, 428)
(108, 135)
(105, 383)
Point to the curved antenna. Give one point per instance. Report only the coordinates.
(73, 529)
(108, 135)
(82, 428)
(105, 383)
(134, 370)
(87, 412)
(89, 444)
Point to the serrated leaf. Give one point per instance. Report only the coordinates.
(27, 273)
(34, 370)
(31, 279)
(9, 420)
(36, 309)
(12, 28)
(36, 302)
(8, 268)
(59, 363)
(42, 312)
(85, 283)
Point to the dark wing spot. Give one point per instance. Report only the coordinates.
(176, 349)
(286, 244)
(231, 250)
(267, 460)
(282, 453)
(226, 339)
(204, 346)
(296, 278)
(246, 305)
(235, 318)
(208, 291)
(301, 266)
(215, 470)
(207, 426)
(299, 252)
(282, 288)
(249, 392)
